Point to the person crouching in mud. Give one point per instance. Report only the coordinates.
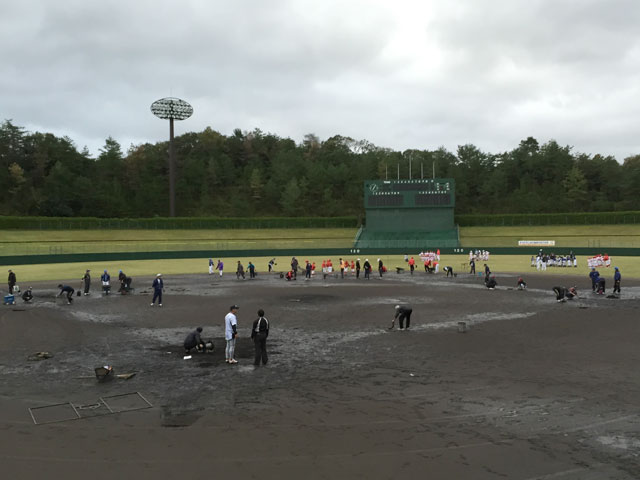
(491, 283)
(522, 285)
(563, 294)
(194, 340)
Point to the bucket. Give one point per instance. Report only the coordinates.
(103, 373)
(462, 327)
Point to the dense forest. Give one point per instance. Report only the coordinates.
(258, 174)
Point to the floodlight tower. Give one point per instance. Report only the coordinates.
(172, 109)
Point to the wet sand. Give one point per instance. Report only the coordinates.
(533, 390)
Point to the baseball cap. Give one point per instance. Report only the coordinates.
(234, 307)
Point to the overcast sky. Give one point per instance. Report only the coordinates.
(404, 74)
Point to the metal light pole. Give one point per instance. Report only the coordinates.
(171, 109)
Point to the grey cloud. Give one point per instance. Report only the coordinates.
(482, 72)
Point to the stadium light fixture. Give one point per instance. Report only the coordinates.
(170, 108)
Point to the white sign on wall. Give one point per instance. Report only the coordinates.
(536, 243)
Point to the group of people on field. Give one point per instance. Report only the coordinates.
(259, 335)
(543, 260)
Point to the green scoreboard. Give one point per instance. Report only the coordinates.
(421, 205)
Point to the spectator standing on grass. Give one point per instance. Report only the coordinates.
(617, 278)
(259, 334)
(68, 290)
(220, 266)
(12, 281)
(158, 287)
(86, 280)
(230, 333)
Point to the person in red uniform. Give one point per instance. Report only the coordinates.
(412, 265)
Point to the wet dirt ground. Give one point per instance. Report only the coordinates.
(533, 390)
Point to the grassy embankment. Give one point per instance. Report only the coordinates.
(86, 241)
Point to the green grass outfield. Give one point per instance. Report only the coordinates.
(514, 264)
(48, 242)
(565, 236)
(33, 242)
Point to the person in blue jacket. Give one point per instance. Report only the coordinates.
(105, 278)
(158, 286)
(617, 277)
(595, 278)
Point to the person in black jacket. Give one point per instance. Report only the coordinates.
(403, 312)
(125, 282)
(27, 296)
(12, 281)
(367, 269)
(68, 290)
(259, 334)
(194, 340)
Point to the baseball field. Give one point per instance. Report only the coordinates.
(37, 242)
(533, 389)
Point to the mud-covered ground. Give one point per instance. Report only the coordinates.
(533, 390)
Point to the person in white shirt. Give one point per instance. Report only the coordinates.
(230, 333)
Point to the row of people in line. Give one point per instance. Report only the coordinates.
(543, 260)
(479, 255)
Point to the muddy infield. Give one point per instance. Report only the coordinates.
(534, 389)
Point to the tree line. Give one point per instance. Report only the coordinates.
(261, 174)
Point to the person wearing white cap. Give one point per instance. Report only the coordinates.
(367, 268)
(158, 287)
(403, 312)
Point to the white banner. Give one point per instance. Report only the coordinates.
(536, 243)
